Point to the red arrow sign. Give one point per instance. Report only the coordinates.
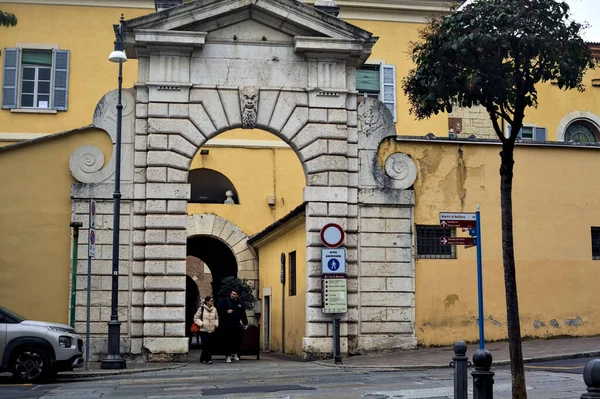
(457, 241)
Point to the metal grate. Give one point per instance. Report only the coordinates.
(429, 245)
(596, 243)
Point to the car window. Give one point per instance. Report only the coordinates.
(7, 316)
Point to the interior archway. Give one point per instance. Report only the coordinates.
(217, 256)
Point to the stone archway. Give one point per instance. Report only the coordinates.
(279, 65)
(198, 79)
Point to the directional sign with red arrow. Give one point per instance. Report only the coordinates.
(458, 241)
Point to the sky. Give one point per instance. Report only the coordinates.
(586, 11)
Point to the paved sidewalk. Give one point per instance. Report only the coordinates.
(533, 351)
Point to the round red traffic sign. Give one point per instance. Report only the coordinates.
(332, 235)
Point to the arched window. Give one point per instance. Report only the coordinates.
(211, 187)
(581, 131)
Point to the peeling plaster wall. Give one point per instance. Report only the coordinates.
(554, 206)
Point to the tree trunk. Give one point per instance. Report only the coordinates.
(510, 281)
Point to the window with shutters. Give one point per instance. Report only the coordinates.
(35, 79)
(378, 81)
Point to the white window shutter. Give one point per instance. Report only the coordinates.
(60, 79)
(388, 87)
(539, 134)
(10, 81)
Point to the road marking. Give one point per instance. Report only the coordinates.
(555, 367)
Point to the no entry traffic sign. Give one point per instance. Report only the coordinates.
(332, 235)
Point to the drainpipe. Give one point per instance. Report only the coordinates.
(76, 226)
(328, 6)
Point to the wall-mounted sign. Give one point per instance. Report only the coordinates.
(335, 295)
(332, 235)
(333, 261)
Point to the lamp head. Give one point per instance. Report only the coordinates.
(118, 55)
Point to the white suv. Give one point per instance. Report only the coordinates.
(35, 350)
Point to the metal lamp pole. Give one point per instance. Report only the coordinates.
(114, 360)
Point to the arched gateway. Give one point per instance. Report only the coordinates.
(279, 65)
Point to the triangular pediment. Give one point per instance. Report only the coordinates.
(288, 17)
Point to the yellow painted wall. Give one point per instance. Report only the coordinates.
(290, 237)
(88, 33)
(256, 174)
(35, 212)
(555, 204)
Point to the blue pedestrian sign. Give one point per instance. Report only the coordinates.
(333, 261)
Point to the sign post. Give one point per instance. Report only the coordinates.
(91, 254)
(480, 280)
(335, 287)
(470, 222)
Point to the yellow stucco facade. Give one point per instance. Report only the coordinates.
(552, 203)
(275, 296)
(35, 213)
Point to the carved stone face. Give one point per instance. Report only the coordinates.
(249, 97)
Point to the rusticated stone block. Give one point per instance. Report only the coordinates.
(164, 314)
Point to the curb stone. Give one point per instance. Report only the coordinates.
(107, 373)
(535, 359)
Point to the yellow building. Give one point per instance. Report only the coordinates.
(252, 192)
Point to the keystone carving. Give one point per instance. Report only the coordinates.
(249, 104)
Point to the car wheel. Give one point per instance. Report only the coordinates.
(30, 364)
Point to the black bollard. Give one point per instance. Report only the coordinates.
(460, 362)
(483, 378)
(591, 377)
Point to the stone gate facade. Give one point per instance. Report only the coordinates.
(210, 66)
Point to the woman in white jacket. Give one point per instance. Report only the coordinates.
(208, 320)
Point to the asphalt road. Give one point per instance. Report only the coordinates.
(272, 377)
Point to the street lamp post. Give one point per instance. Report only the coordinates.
(114, 360)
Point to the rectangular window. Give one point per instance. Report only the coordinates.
(292, 273)
(378, 81)
(429, 245)
(530, 133)
(35, 79)
(596, 243)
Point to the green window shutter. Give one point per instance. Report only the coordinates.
(10, 82)
(367, 80)
(388, 87)
(539, 134)
(60, 79)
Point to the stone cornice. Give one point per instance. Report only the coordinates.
(314, 47)
(146, 40)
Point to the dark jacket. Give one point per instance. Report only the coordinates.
(233, 319)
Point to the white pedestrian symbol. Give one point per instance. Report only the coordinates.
(333, 264)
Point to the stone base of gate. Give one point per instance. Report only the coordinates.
(380, 344)
(166, 350)
(321, 348)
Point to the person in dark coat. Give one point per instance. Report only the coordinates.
(233, 324)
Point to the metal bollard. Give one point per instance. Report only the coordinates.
(460, 362)
(483, 378)
(591, 377)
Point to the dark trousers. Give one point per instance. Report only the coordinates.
(233, 339)
(207, 344)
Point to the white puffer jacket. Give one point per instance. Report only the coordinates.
(207, 320)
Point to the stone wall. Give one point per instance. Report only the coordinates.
(471, 121)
